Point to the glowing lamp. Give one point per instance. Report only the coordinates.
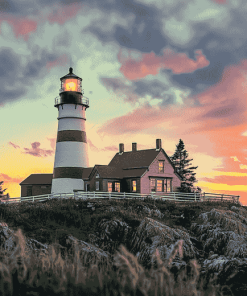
(71, 90)
(71, 82)
(70, 85)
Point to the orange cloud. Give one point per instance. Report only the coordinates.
(151, 64)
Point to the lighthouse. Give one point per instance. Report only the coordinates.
(71, 154)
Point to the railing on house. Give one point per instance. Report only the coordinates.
(173, 196)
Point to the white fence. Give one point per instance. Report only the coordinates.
(172, 196)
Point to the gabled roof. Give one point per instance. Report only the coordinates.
(86, 172)
(38, 179)
(106, 171)
(138, 159)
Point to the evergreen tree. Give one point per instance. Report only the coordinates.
(2, 190)
(180, 161)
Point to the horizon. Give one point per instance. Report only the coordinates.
(164, 70)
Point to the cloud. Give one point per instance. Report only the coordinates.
(21, 26)
(36, 151)
(234, 158)
(15, 146)
(151, 64)
(8, 179)
(62, 13)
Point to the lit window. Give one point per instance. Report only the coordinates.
(97, 185)
(165, 184)
(169, 185)
(133, 186)
(117, 187)
(159, 185)
(161, 166)
(109, 186)
(152, 185)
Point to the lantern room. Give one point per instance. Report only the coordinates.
(71, 82)
(71, 90)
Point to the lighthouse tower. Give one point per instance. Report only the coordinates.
(71, 154)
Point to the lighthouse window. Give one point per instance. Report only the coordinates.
(109, 186)
(97, 185)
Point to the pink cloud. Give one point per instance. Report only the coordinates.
(21, 26)
(221, 117)
(15, 146)
(36, 151)
(62, 13)
(151, 64)
(220, 1)
(52, 142)
(7, 179)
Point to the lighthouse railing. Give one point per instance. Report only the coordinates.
(170, 196)
(83, 100)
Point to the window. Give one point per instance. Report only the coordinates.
(97, 176)
(161, 166)
(117, 187)
(159, 185)
(165, 184)
(152, 185)
(169, 182)
(133, 186)
(97, 185)
(109, 186)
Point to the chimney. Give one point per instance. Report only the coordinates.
(134, 147)
(121, 148)
(158, 144)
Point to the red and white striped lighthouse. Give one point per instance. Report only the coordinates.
(71, 154)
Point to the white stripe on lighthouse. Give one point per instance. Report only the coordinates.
(71, 154)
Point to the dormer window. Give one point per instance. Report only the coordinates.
(161, 166)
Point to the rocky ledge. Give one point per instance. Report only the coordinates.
(217, 239)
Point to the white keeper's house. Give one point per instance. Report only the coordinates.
(139, 171)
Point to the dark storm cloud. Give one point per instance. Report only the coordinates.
(16, 78)
(153, 88)
(140, 89)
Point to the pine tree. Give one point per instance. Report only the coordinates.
(180, 161)
(2, 190)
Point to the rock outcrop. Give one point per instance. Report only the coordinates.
(217, 239)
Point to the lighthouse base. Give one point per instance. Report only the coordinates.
(66, 185)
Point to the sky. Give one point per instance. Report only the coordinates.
(152, 69)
